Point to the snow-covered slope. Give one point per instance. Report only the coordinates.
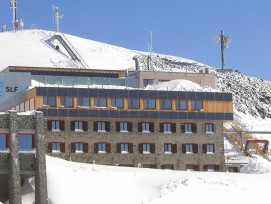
(32, 48)
(70, 183)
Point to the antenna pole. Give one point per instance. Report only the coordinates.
(57, 17)
(222, 45)
(13, 6)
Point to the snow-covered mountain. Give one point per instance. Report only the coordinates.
(252, 111)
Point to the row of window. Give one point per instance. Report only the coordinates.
(165, 104)
(125, 148)
(145, 127)
(189, 167)
(26, 142)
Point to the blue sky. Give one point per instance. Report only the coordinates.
(183, 28)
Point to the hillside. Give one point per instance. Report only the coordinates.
(87, 183)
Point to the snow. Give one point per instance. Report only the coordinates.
(97, 55)
(70, 182)
(180, 85)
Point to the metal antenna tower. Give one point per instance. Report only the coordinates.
(13, 6)
(150, 50)
(224, 43)
(57, 17)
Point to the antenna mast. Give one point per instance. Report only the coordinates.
(224, 43)
(150, 55)
(13, 6)
(57, 17)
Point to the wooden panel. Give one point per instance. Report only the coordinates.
(189, 106)
(141, 104)
(157, 104)
(91, 102)
(173, 103)
(218, 106)
(39, 102)
(108, 101)
(75, 102)
(58, 101)
(31, 93)
(125, 103)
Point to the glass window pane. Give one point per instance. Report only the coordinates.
(25, 142)
(181, 105)
(133, 103)
(83, 101)
(3, 141)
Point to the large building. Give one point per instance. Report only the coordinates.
(104, 117)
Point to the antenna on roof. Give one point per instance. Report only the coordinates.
(224, 43)
(57, 17)
(13, 6)
(150, 51)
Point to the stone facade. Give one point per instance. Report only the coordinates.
(159, 158)
(16, 165)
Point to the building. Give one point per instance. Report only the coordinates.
(22, 155)
(127, 125)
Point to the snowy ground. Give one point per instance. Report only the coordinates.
(70, 183)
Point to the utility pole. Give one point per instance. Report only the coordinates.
(224, 43)
(13, 6)
(57, 17)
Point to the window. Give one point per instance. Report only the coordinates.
(133, 103)
(56, 147)
(49, 101)
(167, 166)
(124, 148)
(79, 126)
(167, 127)
(26, 142)
(149, 103)
(145, 127)
(165, 104)
(146, 148)
(3, 142)
(117, 102)
(208, 148)
(192, 167)
(181, 105)
(101, 127)
(148, 82)
(123, 127)
(66, 101)
(100, 102)
(102, 148)
(168, 148)
(55, 125)
(211, 167)
(189, 128)
(189, 148)
(151, 166)
(196, 105)
(79, 147)
(209, 128)
(83, 102)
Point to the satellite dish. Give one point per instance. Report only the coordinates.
(217, 38)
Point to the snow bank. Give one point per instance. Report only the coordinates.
(70, 182)
(257, 165)
(179, 85)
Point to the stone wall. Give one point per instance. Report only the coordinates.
(159, 158)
